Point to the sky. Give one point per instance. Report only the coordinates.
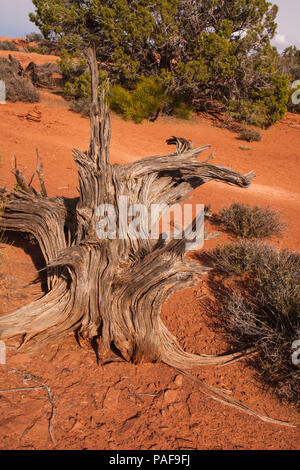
(14, 21)
(288, 24)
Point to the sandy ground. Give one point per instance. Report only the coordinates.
(120, 405)
(26, 57)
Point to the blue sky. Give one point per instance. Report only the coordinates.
(288, 21)
(14, 21)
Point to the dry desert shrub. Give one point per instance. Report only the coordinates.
(263, 311)
(81, 106)
(236, 259)
(21, 89)
(8, 46)
(247, 221)
(250, 135)
(18, 88)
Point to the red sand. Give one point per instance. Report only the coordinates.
(122, 406)
(25, 57)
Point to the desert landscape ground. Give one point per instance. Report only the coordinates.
(120, 405)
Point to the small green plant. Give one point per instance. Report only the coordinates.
(182, 110)
(43, 50)
(16, 187)
(145, 101)
(40, 45)
(79, 88)
(250, 135)
(244, 147)
(250, 221)
(263, 106)
(264, 311)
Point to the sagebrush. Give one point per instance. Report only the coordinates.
(250, 135)
(264, 310)
(18, 88)
(248, 221)
(8, 46)
(81, 106)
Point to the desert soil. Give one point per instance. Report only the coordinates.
(120, 405)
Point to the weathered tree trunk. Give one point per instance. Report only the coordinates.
(112, 289)
(109, 288)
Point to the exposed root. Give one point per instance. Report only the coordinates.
(40, 316)
(222, 397)
(174, 356)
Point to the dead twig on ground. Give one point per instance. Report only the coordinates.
(20, 389)
(51, 398)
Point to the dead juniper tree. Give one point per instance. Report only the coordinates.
(109, 288)
(112, 289)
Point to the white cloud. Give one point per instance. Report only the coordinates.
(280, 39)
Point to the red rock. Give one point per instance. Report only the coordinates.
(178, 380)
(170, 396)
